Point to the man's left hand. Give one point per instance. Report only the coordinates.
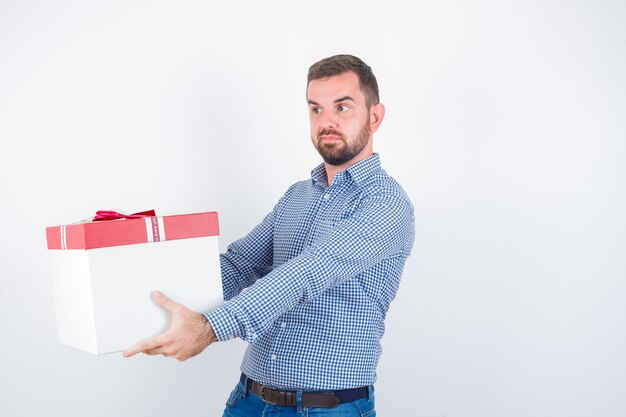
(189, 333)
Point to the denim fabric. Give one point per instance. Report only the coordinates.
(243, 403)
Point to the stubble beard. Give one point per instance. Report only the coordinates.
(338, 153)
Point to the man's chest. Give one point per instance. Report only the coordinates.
(305, 218)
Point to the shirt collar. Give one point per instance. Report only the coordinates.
(358, 172)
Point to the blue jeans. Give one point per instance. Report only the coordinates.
(243, 403)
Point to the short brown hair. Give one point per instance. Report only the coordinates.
(339, 64)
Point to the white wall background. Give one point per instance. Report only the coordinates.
(506, 123)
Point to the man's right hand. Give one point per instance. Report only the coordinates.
(189, 333)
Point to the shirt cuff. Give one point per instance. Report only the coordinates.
(224, 324)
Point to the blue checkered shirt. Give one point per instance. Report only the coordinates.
(310, 286)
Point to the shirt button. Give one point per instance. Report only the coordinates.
(273, 357)
(283, 325)
(326, 196)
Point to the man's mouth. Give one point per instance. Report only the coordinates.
(330, 136)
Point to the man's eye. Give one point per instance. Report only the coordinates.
(317, 110)
(342, 107)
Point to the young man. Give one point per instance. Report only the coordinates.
(320, 270)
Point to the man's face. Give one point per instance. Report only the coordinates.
(340, 119)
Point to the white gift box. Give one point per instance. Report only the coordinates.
(104, 273)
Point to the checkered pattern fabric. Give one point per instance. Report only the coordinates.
(310, 286)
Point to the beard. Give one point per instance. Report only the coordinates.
(339, 152)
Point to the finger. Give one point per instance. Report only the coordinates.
(159, 350)
(132, 351)
(163, 301)
(159, 345)
(143, 346)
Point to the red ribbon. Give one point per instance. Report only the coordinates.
(102, 215)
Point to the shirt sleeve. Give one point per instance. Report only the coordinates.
(380, 228)
(247, 259)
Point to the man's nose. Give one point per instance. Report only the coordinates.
(329, 121)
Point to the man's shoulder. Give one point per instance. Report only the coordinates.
(382, 182)
(298, 190)
(301, 185)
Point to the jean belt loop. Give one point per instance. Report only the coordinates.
(370, 392)
(244, 392)
(299, 401)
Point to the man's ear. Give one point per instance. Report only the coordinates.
(377, 114)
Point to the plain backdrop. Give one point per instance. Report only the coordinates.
(506, 124)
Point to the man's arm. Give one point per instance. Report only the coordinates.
(248, 258)
(381, 228)
(190, 333)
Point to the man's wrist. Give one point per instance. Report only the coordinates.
(211, 337)
(224, 325)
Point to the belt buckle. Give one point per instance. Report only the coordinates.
(264, 398)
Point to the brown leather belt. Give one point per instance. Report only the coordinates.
(322, 399)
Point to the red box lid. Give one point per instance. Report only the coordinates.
(101, 234)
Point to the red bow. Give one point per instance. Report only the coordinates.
(114, 215)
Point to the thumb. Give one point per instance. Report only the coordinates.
(163, 301)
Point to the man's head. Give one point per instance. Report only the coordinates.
(344, 109)
(339, 64)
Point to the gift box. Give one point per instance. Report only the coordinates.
(105, 271)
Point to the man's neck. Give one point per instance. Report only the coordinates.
(332, 170)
